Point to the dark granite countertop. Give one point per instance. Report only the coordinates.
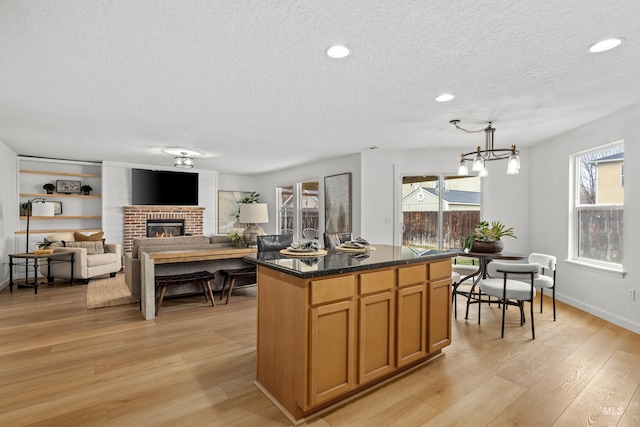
(336, 262)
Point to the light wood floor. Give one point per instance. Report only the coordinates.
(64, 365)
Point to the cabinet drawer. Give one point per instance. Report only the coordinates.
(440, 270)
(412, 275)
(376, 282)
(327, 290)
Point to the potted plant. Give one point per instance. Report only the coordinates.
(487, 238)
(43, 247)
(49, 188)
(86, 189)
(236, 239)
(251, 198)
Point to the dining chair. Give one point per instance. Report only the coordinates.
(331, 240)
(547, 276)
(507, 284)
(273, 242)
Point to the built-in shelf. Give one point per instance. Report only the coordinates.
(65, 230)
(76, 211)
(78, 196)
(48, 218)
(85, 175)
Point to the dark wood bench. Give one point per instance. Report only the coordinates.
(199, 277)
(230, 277)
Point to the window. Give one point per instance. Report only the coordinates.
(597, 200)
(438, 212)
(286, 200)
(298, 210)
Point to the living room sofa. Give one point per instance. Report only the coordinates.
(93, 257)
(158, 244)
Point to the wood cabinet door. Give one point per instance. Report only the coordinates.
(376, 332)
(332, 346)
(439, 334)
(412, 324)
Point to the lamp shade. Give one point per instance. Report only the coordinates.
(42, 209)
(253, 213)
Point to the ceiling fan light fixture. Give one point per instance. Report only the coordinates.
(183, 161)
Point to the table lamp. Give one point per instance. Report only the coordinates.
(37, 207)
(252, 214)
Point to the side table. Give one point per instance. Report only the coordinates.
(56, 257)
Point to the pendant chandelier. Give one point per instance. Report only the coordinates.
(480, 157)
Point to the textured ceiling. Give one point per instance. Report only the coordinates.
(247, 83)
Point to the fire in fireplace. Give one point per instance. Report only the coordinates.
(165, 227)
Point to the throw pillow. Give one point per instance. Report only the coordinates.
(92, 247)
(90, 238)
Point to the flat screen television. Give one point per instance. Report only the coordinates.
(156, 187)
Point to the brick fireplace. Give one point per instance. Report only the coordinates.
(135, 220)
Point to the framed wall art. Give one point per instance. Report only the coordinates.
(68, 187)
(337, 203)
(57, 207)
(228, 207)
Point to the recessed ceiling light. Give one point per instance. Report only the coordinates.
(338, 52)
(445, 97)
(605, 45)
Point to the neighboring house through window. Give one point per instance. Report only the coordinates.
(439, 211)
(597, 206)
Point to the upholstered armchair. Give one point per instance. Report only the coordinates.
(92, 257)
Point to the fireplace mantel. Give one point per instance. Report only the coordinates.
(135, 220)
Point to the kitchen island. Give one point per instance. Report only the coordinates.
(332, 326)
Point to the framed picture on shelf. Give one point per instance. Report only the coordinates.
(68, 187)
(57, 208)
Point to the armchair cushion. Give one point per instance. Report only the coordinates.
(79, 237)
(92, 247)
(58, 238)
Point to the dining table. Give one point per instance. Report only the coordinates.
(474, 295)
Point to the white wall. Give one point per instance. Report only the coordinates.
(228, 182)
(8, 209)
(266, 185)
(116, 193)
(601, 294)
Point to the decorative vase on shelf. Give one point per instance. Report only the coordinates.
(49, 188)
(487, 247)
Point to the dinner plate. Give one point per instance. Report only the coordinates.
(301, 250)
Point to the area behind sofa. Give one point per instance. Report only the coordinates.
(160, 244)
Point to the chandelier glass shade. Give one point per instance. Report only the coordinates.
(490, 153)
(183, 161)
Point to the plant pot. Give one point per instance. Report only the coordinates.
(87, 193)
(487, 247)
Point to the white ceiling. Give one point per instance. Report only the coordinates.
(248, 84)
